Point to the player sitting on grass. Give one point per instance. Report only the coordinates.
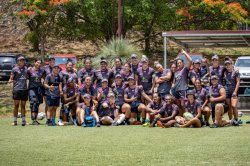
(193, 107)
(87, 111)
(153, 108)
(167, 114)
(108, 112)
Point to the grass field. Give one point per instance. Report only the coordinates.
(123, 145)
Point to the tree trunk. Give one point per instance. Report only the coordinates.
(147, 45)
(42, 48)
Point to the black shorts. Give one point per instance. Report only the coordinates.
(229, 94)
(226, 107)
(181, 95)
(134, 106)
(20, 95)
(53, 102)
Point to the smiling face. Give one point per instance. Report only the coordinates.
(214, 81)
(180, 64)
(104, 66)
(156, 98)
(88, 64)
(118, 62)
(215, 62)
(173, 67)
(21, 62)
(69, 66)
(131, 82)
(88, 81)
(38, 64)
(229, 66)
(197, 84)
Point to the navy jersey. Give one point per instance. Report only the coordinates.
(145, 78)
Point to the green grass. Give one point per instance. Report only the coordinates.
(123, 145)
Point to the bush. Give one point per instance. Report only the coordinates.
(116, 48)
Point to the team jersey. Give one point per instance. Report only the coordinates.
(219, 71)
(164, 87)
(54, 81)
(169, 109)
(20, 78)
(192, 107)
(35, 77)
(102, 74)
(136, 92)
(145, 78)
(181, 79)
(66, 74)
(201, 95)
(119, 93)
(83, 73)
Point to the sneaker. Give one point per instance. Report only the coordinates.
(35, 122)
(160, 124)
(14, 123)
(146, 124)
(24, 123)
(153, 123)
(234, 122)
(60, 123)
(98, 125)
(115, 124)
(83, 124)
(215, 125)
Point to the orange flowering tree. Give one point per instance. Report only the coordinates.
(40, 17)
(210, 14)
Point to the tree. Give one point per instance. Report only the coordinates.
(210, 14)
(40, 17)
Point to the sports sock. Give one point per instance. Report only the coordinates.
(23, 118)
(147, 121)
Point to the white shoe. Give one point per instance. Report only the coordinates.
(60, 123)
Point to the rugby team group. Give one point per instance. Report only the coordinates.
(131, 93)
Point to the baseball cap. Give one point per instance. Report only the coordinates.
(105, 80)
(86, 95)
(197, 61)
(103, 60)
(227, 61)
(131, 78)
(190, 92)
(133, 56)
(144, 60)
(118, 75)
(56, 66)
(20, 58)
(51, 58)
(111, 95)
(215, 57)
(214, 77)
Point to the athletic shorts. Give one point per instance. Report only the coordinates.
(20, 95)
(181, 95)
(134, 107)
(120, 107)
(53, 102)
(226, 107)
(229, 93)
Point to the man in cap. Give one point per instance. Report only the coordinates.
(19, 77)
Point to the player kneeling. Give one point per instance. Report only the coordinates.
(86, 114)
(167, 114)
(192, 112)
(108, 112)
